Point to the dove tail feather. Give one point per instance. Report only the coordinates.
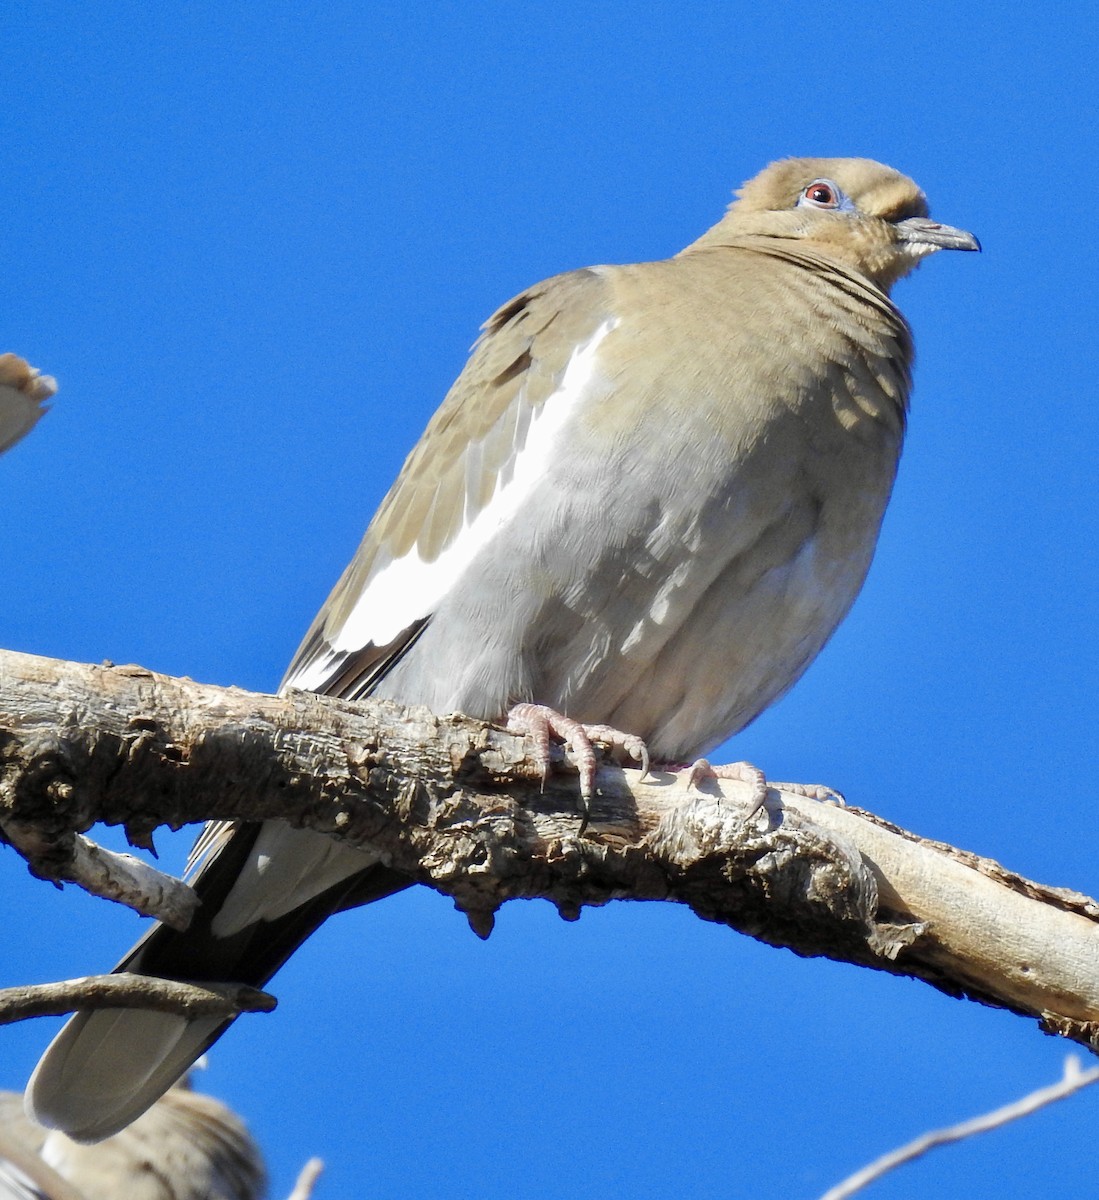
(107, 1066)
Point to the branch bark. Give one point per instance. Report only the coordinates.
(1073, 1079)
(456, 804)
(123, 990)
(102, 872)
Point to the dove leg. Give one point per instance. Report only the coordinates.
(745, 772)
(541, 723)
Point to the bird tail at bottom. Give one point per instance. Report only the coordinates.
(106, 1067)
(266, 890)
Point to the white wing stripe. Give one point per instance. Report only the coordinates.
(408, 588)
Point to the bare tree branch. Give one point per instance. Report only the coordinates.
(307, 1180)
(113, 876)
(123, 990)
(455, 804)
(1072, 1081)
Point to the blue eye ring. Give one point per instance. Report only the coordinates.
(823, 193)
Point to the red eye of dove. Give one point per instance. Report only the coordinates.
(822, 194)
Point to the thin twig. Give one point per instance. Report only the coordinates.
(123, 990)
(103, 872)
(307, 1180)
(1073, 1080)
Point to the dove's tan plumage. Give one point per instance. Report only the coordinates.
(647, 501)
(23, 394)
(188, 1146)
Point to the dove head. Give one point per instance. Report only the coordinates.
(871, 217)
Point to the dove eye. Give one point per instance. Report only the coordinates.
(823, 193)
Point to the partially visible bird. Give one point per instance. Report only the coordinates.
(188, 1146)
(647, 501)
(24, 391)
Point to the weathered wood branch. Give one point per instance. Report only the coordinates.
(123, 990)
(102, 872)
(1073, 1079)
(456, 804)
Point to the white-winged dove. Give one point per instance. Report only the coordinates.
(188, 1146)
(647, 501)
(24, 391)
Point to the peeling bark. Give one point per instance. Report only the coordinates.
(456, 804)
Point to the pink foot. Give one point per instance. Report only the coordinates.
(540, 724)
(745, 772)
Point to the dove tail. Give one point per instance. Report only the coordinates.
(259, 903)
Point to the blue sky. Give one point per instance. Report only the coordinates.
(254, 243)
